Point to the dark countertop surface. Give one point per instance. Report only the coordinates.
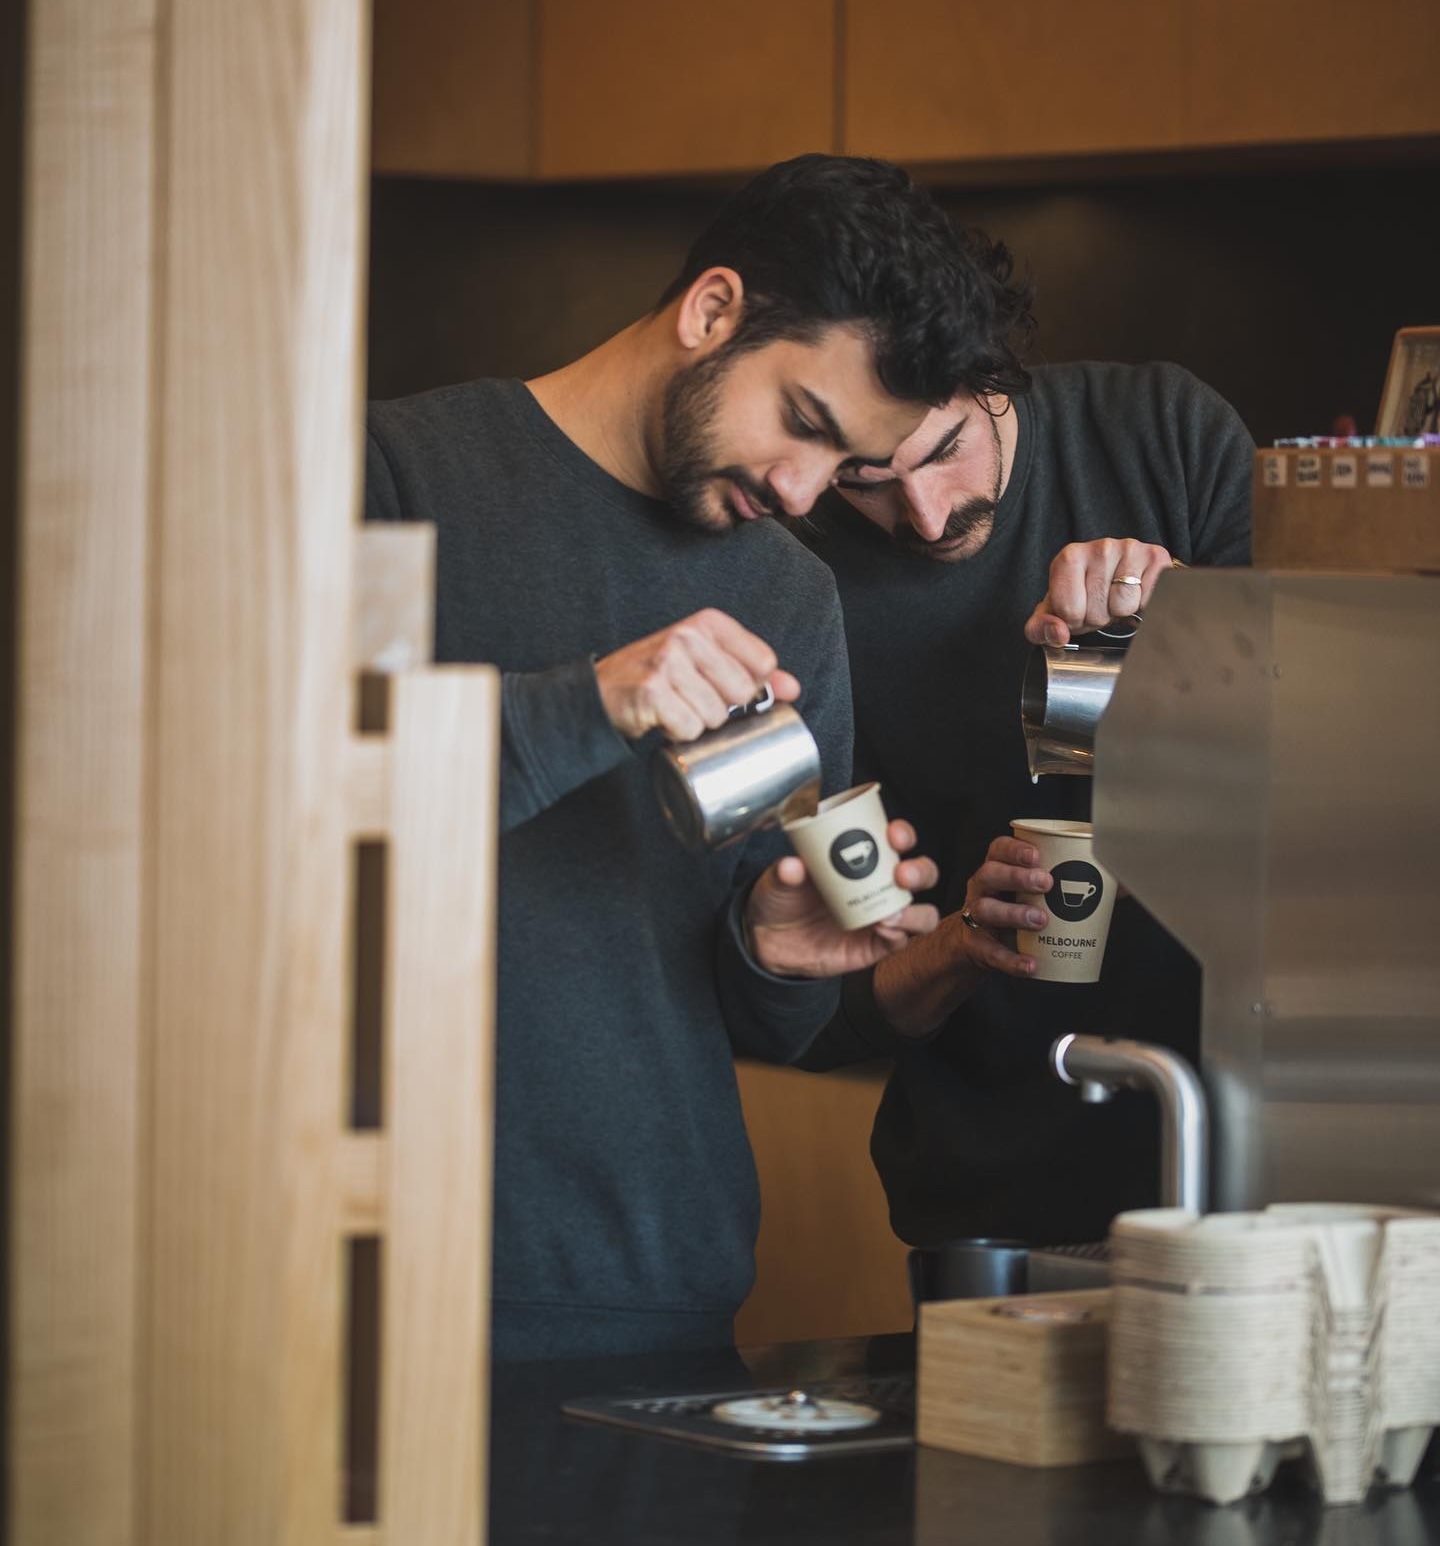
(557, 1479)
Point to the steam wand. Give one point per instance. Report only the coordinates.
(1100, 1066)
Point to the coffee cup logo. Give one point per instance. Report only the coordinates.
(854, 854)
(1078, 890)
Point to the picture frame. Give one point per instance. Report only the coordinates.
(1410, 403)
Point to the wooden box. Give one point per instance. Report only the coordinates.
(1362, 508)
(1019, 1379)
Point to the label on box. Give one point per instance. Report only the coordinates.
(1272, 471)
(1344, 471)
(1415, 470)
(1379, 472)
(1307, 471)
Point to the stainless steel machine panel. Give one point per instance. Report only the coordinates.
(1266, 780)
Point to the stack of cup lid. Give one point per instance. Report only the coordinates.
(1238, 1339)
(1409, 1343)
(1346, 1424)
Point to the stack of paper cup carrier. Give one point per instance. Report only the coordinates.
(1238, 1340)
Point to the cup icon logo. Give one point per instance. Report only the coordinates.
(854, 854)
(1078, 890)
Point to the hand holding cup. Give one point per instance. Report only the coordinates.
(1070, 945)
(848, 855)
(1012, 867)
(793, 930)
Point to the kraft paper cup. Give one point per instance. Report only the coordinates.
(849, 857)
(1071, 946)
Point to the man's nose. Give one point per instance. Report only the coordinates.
(928, 511)
(797, 485)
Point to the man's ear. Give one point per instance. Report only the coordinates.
(710, 310)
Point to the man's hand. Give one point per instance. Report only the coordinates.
(1092, 584)
(792, 934)
(686, 678)
(1010, 865)
(919, 990)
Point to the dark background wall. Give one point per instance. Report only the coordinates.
(1282, 290)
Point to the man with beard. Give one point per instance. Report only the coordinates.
(599, 538)
(1032, 506)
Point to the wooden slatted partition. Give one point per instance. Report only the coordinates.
(421, 1183)
(192, 1203)
(437, 1263)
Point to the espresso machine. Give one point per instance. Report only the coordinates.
(1264, 784)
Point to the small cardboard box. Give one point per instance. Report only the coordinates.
(1019, 1379)
(1354, 509)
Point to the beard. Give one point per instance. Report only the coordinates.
(687, 459)
(968, 527)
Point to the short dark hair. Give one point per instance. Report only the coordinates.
(820, 240)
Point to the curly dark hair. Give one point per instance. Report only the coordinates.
(1002, 325)
(820, 240)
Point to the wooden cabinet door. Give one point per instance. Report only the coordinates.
(629, 87)
(827, 1263)
(1268, 71)
(453, 89)
(599, 88)
(940, 80)
(559, 89)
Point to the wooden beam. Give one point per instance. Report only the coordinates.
(439, 1083)
(262, 239)
(84, 555)
(394, 596)
(364, 1164)
(367, 786)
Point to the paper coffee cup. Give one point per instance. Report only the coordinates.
(849, 857)
(1071, 946)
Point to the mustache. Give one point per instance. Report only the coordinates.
(962, 521)
(758, 495)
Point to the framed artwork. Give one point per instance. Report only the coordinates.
(1410, 403)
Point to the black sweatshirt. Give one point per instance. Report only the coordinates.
(974, 1135)
(625, 1194)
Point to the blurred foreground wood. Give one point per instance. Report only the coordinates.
(214, 1267)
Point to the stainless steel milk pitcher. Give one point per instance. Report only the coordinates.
(760, 769)
(1065, 691)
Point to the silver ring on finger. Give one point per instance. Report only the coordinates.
(969, 919)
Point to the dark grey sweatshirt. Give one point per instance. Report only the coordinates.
(625, 1196)
(974, 1136)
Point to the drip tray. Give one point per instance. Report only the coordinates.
(829, 1417)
